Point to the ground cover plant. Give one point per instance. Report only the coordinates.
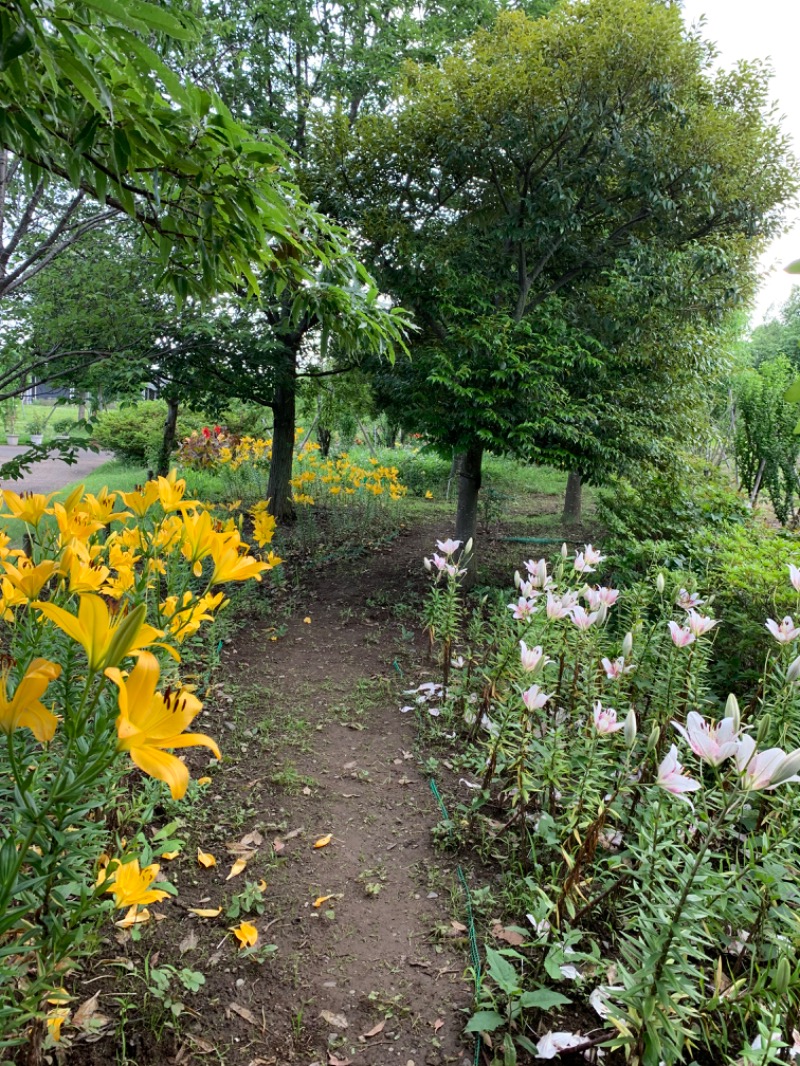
(647, 825)
(95, 610)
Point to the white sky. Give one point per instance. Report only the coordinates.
(763, 29)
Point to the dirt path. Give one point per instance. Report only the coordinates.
(51, 474)
(321, 748)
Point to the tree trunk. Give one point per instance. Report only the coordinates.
(324, 437)
(469, 485)
(279, 491)
(168, 440)
(572, 499)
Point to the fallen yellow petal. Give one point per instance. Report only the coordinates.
(206, 912)
(237, 868)
(320, 900)
(168, 855)
(246, 934)
(323, 842)
(307, 620)
(135, 916)
(204, 780)
(205, 858)
(262, 885)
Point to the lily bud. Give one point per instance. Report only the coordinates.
(732, 711)
(660, 584)
(793, 672)
(788, 768)
(564, 551)
(428, 566)
(763, 728)
(652, 740)
(468, 547)
(627, 645)
(783, 975)
(602, 613)
(629, 729)
(541, 572)
(517, 579)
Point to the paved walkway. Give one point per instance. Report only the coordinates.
(51, 474)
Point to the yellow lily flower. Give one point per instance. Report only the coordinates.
(263, 529)
(170, 492)
(130, 885)
(55, 1019)
(168, 535)
(197, 539)
(151, 721)
(184, 621)
(230, 566)
(105, 643)
(85, 578)
(141, 499)
(117, 586)
(30, 507)
(101, 506)
(25, 710)
(27, 579)
(75, 525)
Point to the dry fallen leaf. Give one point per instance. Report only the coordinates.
(457, 927)
(377, 1029)
(306, 790)
(437, 1025)
(205, 858)
(278, 845)
(323, 841)
(243, 1012)
(189, 942)
(201, 1045)
(206, 912)
(237, 868)
(86, 1011)
(251, 840)
(510, 936)
(338, 1021)
(293, 833)
(334, 1060)
(320, 900)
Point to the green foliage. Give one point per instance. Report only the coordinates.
(766, 444)
(670, 503)
(780, 335)
(134, 432)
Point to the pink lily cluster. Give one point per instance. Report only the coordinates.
(616, 668)
(714, 743)
(444, 563)
(587, 560)
(697, 625)
(784, 632)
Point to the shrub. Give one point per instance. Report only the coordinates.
(134, 432)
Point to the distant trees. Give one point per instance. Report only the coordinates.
(568, 205)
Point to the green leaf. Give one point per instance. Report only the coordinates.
(793, 268)
(485, 1021)
(137, 13)
(792, 394)
(543, 999)
(501, 972)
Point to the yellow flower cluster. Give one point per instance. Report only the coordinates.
(341, 477)
(129, 550)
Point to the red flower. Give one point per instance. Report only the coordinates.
(218, 430)
(206, 432)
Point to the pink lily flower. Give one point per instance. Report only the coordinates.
(794, 577)
(689, 600)
(605, 719)
(616, 669)
(784, 633)
(529, 590)
(602, 595)
(534, 699)
(700, 623)
(581, 564)
(448, 546)
(454, 571)
(672, 779)
(523, 609)
(765, 769)
(581, 619)
(555, 607)
(531, 657)
(713, 742)
(681, 636)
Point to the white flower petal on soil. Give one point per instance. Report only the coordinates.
(552, 1044)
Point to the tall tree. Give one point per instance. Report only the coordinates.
(545, 161)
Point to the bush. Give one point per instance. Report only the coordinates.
(671, 504)
(134, 432)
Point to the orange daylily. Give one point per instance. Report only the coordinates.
(30, 507)
(27, 579)
(25, 709)
(104, 641)
(131, 886)
(150, 722)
